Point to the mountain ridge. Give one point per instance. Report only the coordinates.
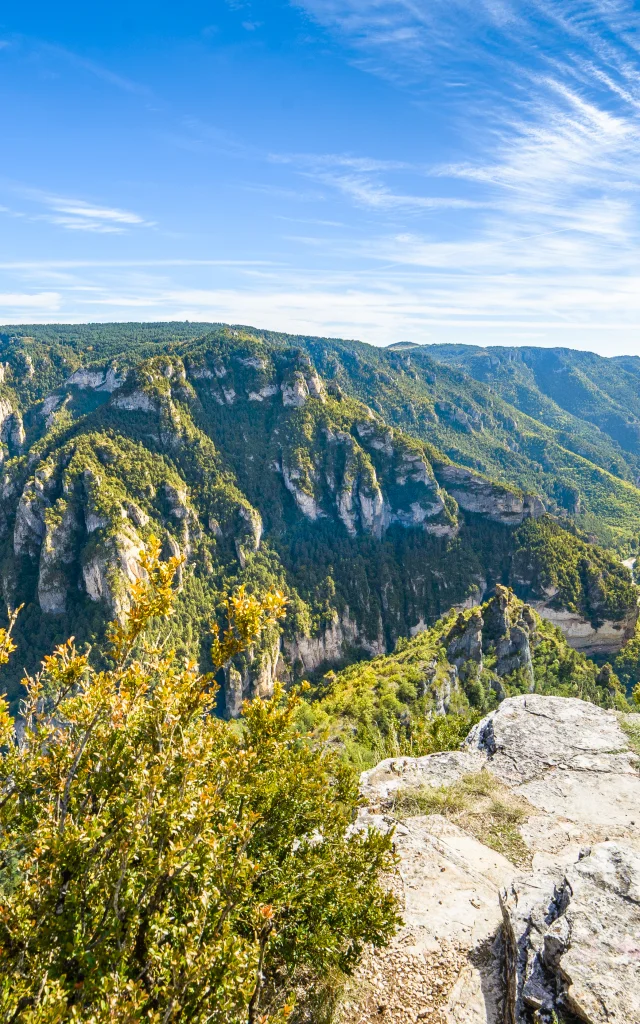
(260, 460)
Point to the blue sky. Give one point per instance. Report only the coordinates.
(432, 170)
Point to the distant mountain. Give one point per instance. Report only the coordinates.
(591, 403)
(377, 488)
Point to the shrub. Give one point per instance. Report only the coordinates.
(158, 864)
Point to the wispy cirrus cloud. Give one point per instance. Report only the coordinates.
(77, 215)
(92, 67)
(365, 181)
(73, 214)
(552, 133)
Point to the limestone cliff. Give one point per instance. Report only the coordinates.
(252, 459)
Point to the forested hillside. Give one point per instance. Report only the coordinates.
(426, 695)
(591, 403)
(376, 488)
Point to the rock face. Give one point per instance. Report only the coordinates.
(368, 483)
(111, 567)
(96, 380)
(135, 401)
(507, 629)
(506, 944)
(57, 552)
(475, 494)
(254, 676)
(310, 653)
(465, 641)
(572, 939)
(608, 638)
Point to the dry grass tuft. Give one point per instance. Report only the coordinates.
(631, 726)
(479, 804)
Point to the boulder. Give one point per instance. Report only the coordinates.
(572, 943)
(489, 941)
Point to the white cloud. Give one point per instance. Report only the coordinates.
(361, 179)
(77, 215)
(38, 301)
(79, 210)
(74, 214)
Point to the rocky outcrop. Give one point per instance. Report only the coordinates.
(572, 938)
(136, 401)
(109, 569)
(476, 494)
(248, 532)
(29, 527)
(6, 412)
(507, 629)
(558, 932)
(307, 504)
(368, 486)
(252, 675)
(57, 553)
(96, 380)
(464, 640)
(295, 392)
(302, 385)
(606, 638)
(12, 432)
(308, 653)
(268, 391)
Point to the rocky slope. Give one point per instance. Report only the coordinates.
(521, 882)
(247, 454)
(425, 695)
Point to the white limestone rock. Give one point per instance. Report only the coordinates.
(329, 646)
(136, 401)
(295, 392)
(96, 380)
(111, 568)
(248, 532)
(57, 552)
(608, 638)
(572, 939)
(475, 494)
(29, 528)
(268, 391)
(566, 933)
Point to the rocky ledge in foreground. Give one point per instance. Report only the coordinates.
(519, 874)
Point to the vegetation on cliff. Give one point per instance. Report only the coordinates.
(427, 694)
(266, 460)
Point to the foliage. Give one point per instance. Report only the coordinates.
(584, 578)
(627, 663)
(631, 727)
(590, 407)
(158, 864)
